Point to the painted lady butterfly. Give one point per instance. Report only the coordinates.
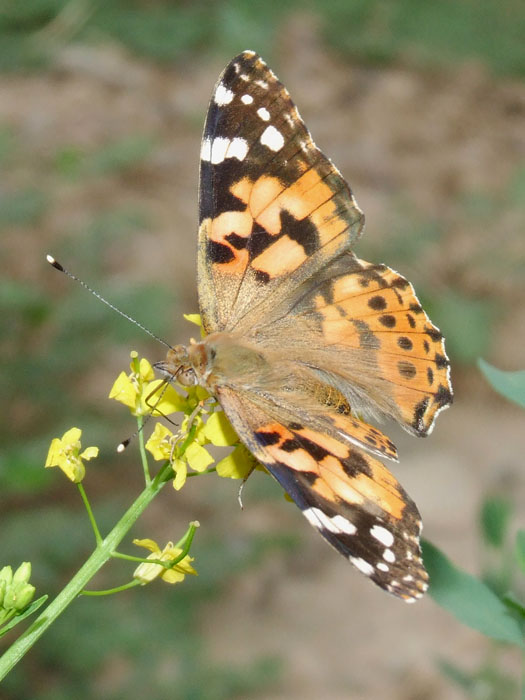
(304, 339)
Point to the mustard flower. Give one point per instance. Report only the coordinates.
(148, 572)
(65, 453)
(143, 394)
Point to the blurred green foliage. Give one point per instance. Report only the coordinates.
(431, 34)
(494, 602)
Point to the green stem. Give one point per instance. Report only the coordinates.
(98, 558)
(143, 455)
(117, 589)
(98, 536)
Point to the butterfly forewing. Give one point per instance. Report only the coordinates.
(270, 202)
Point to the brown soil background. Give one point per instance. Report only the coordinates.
(395, 134)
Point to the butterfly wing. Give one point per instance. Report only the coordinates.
(347, 495)
(273, 209)
(364, 331)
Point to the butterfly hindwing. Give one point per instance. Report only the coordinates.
(349, 496)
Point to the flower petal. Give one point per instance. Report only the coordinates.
(237, 465)
(219, 430)
(198, 457)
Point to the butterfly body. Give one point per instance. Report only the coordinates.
(305, 342)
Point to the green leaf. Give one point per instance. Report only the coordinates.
(495, 516)
(520, 549)
(28, 611)
(511, 385)
(469, 599)
(513, 603)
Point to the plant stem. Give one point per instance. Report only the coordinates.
(96, 531)
(98, 558)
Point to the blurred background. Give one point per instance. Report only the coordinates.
(421, 104)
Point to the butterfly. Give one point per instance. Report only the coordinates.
(305, 343)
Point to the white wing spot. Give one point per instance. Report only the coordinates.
(262, 83)
(244, 77)
(264, 114)
(337, 524)
(408, 577)
(388, 555)
(362, 565)
(238, 149)
(218, 149)
(223, 96)
(344, 525)
(206, 150)
(382, 567)
(222, 148)
(382, 535)
(272, 138)
(247, 99)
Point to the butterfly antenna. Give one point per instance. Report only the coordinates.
(51, 260)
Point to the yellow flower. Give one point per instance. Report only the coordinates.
(239, 464)
(161, 443)
(65, 453)
(219, 431)
(144, 394)
(148, 572)
(197, 320)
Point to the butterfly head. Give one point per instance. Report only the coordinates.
(185, 364)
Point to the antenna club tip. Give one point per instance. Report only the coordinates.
(51, 260)
(122, 446)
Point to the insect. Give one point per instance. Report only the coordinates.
(305, 342)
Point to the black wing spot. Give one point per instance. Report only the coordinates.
(434, 333)
(406, 369)
(301, 231)
(443, 396)
(419, 412)
(387, 320)
(261, 276)
(378, 303)
(238, 242)
(356, 464)
(411, 320)
(267, 438)
(430, 375)
(290, 446)
(400, 283)
(259, 240)
(441, 361)
(219, 253)
(405, 343)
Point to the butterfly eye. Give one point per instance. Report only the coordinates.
(186, 376)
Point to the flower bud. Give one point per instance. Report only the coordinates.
(23, 573)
